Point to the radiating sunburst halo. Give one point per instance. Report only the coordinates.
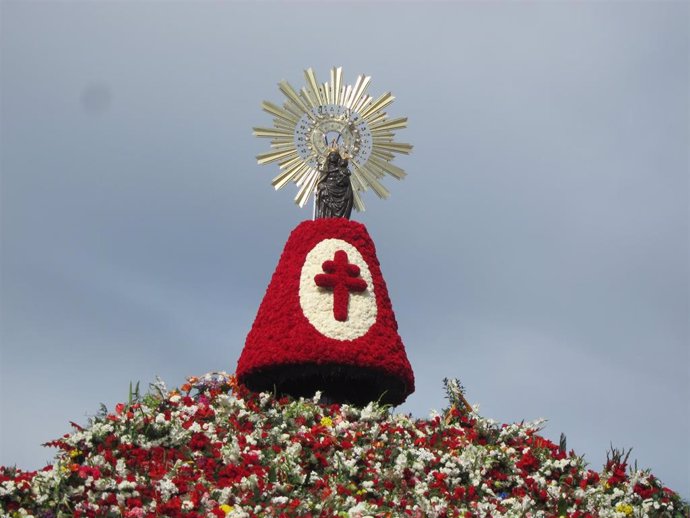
(311, 119)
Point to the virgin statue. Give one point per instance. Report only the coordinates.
(334, 197)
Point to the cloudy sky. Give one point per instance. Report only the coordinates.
(537, 251)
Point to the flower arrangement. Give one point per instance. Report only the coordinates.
(213, 449)
(297, 345)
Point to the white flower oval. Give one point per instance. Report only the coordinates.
(317, 303)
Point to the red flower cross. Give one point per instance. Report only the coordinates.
(343, 278)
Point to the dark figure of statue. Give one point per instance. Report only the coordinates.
(334, 197)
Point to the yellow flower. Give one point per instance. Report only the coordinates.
(74, 453)
(226, 508)
(327, 422)
(626, 509)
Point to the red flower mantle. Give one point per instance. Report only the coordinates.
(285, 352)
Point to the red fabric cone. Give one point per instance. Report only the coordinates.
(326, 321)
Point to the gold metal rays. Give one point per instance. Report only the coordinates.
(310, 120)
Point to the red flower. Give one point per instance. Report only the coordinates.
(528, 463)
(199, 441)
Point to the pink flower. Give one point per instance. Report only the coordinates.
(135, 512)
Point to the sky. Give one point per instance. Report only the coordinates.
(537, 250)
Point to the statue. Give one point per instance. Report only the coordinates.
(326, 323)
(334, 196)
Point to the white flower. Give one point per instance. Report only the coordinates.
(237, 512)
(368, 413)
(121, 467)
(361, 510)
(7, 488)
(167, 489)
(126, 486)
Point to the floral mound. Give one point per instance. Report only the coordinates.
(213, 449)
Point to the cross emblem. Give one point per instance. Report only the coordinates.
(343, 278)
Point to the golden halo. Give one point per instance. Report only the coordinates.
(302, 126)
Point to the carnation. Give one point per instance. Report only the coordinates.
(212, 448)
